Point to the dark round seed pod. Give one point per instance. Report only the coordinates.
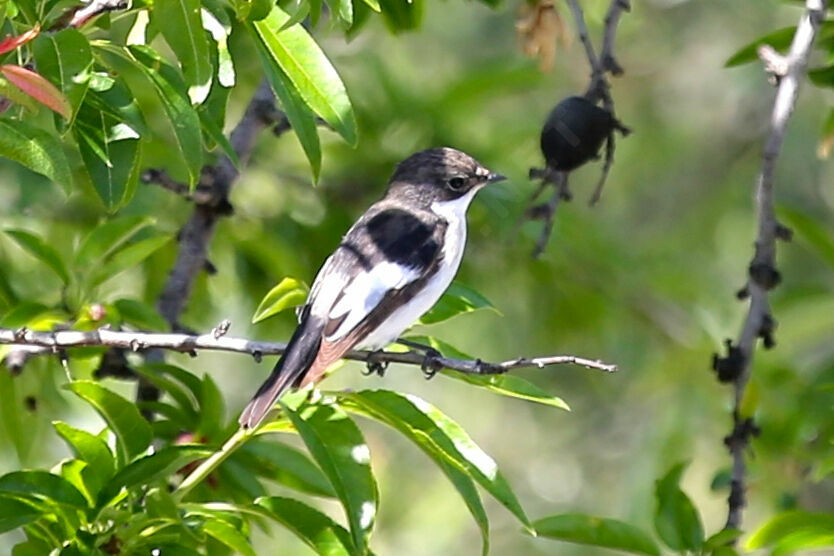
(574, 132)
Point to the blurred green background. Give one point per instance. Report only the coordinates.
(646, 279)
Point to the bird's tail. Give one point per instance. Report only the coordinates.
(289, 371)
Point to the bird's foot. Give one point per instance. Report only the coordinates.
(431, 357)
(375, 364)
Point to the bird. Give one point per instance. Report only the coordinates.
(390, 268)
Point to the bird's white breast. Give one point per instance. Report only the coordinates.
(454, 242)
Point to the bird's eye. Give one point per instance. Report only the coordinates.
(456, 183)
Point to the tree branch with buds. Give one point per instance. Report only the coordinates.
(736, 366)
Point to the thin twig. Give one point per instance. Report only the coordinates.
(598, 90)
(763, 275)
(48, 342)
(77, 16)
(612, 19)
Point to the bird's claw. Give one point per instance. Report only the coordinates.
(375, 365)
(431, 363)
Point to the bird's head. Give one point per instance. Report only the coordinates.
(440, 174)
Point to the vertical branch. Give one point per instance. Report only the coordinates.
(195, 236)
(736, 367)
(216, 182)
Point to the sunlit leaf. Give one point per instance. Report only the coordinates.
(289, 293)
(410, 414)
(337, 445)
(597, 531)
(301, 118)
(220, 33)
(789, 532)
(182, 26)
(133, 434)
(141, 315)
(322, 534)
(309, 70)
(457, 299)
(36, 149)
(41, 250)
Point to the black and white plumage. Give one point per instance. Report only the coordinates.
(391, 267)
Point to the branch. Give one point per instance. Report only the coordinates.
(612, 19)
(216, 182)
(78, 16)
(598, 90)
(736, 367)
(41, 343)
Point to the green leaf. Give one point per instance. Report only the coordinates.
(301, 118)
(169, 86)
(141, 315)
(181, 24)
(111, 152)
(220, 33)
(826, 142)
(309, 70)
(42, 484)
(283, 464)
(153, 467)
(457, 299)
(128, 257)
(42, 251)
(229, 536)
(14, 94)
(322, 534)
(722, 539)
(10, 413)
(106, 238)
(676, 520)
(92, 450)
(779, 40)
(402, 16)
(133, 433)
(212, 408)
(411, 415)
(65, 59)
(337, 445)
(597, 531)
(287, 294)
(185, 402)
(36, 149)
(16, 513)
(510, 385)
(343, 10)
(811, 232)
(793, 531)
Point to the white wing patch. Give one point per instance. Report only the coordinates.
(365, 292)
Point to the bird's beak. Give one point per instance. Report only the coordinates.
(493, 177)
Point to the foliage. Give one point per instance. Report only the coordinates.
(90, 107)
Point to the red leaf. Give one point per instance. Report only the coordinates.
(10, 43)
(36, 86)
